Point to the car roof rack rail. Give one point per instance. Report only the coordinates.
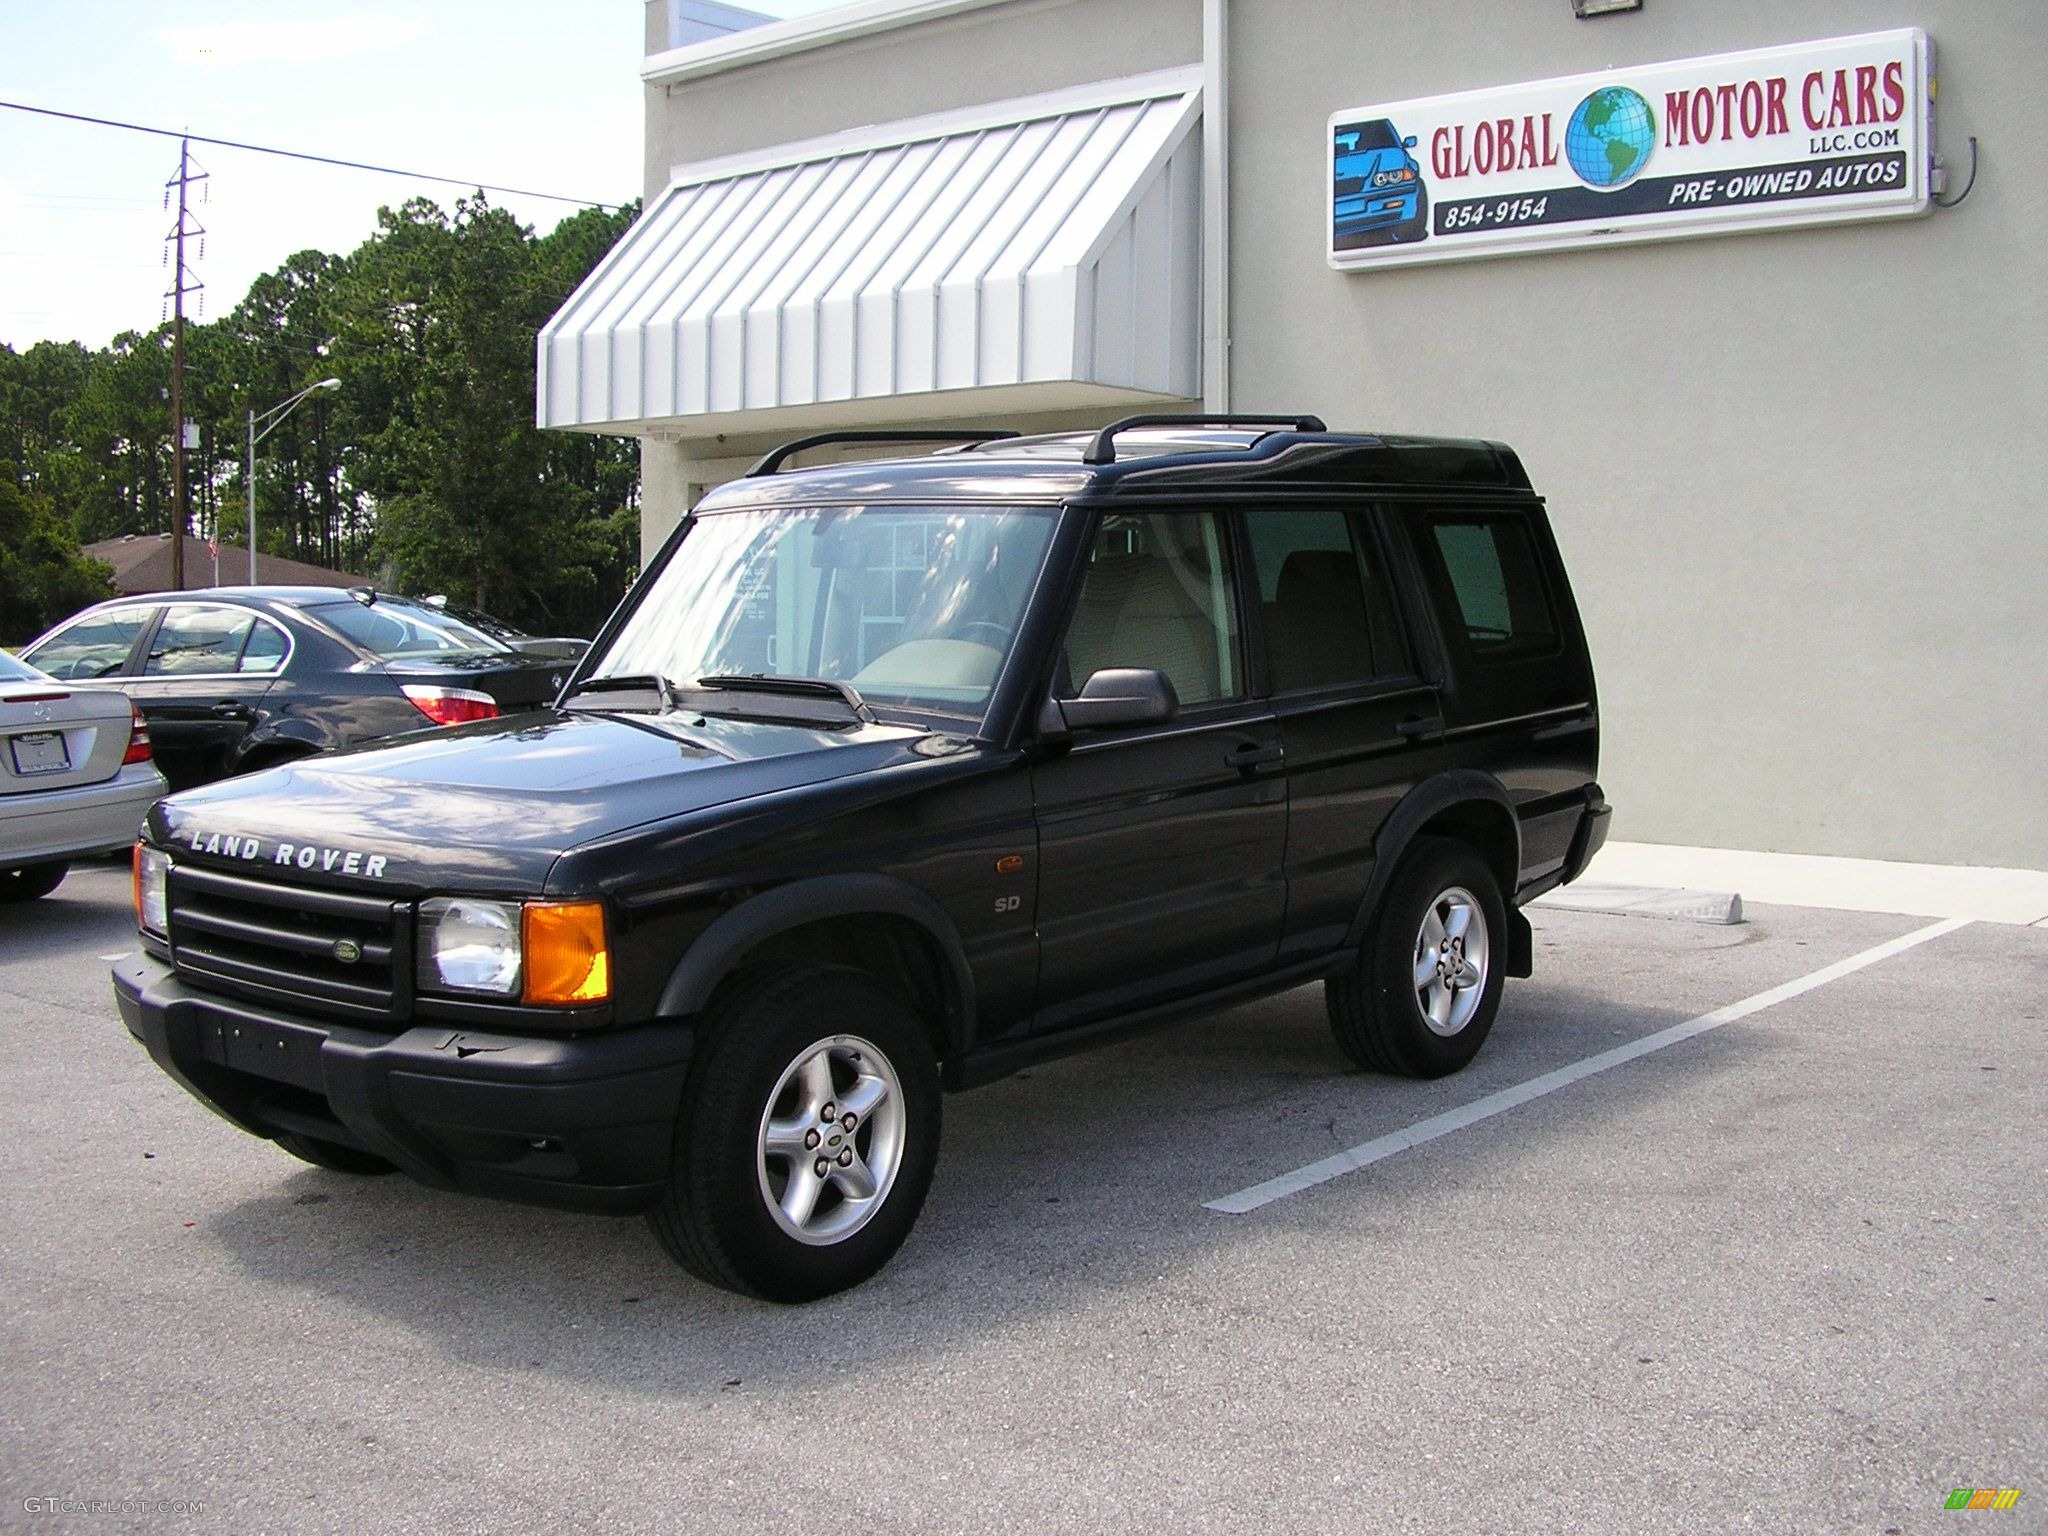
(774, 459)
(1103, 449)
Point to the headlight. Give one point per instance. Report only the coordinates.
(152, 879)
(548, 953)
(469, 946)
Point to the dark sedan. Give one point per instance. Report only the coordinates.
(236, 678)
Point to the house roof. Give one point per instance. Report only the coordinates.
(142, 563)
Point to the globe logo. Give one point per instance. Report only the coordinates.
(1610, 136)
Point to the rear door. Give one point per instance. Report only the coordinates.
(1159, 846)
(1519, 689)
(203, 677)
(1360, 725)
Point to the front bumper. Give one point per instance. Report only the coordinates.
(581, 1124)
(1376, 210)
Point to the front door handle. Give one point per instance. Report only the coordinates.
(1421, 727)
(1255, 754)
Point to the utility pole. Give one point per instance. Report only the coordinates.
(181, 284)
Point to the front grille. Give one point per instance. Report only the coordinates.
(280, 942)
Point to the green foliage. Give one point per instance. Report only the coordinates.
(435, 321)
(43, 577)
(424, 470)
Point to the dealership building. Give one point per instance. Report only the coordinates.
(1756, 290)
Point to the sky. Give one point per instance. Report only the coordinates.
(541, 95)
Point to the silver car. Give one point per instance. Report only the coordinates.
(76, 777)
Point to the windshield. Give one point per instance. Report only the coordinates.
(391, 628)
(1355, 138)
(914, 606)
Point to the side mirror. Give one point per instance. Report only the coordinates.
(1118, 696)
(1409, 142)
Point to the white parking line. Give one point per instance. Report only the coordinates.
(1369, 1152)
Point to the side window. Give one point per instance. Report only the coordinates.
(1328, 619)
(266, 648)
(1503, 604)
(1158, 594)
(94, 647)
(197, 638)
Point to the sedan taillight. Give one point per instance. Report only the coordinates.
(139, 749)
(451, 706)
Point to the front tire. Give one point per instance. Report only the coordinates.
(807, 1140)
(1423, 997)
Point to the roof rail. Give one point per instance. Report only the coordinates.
(773, 460)
(1103, 449)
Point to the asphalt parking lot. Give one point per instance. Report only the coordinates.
(1784, 1275)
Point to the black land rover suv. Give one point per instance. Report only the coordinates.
(896, 775)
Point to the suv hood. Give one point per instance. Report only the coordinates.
(497, 802)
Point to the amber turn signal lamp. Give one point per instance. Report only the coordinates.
(567, 959)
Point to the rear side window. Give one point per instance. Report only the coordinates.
(266, 650)
(1503, 604)
(1327, 620)
(197, 639)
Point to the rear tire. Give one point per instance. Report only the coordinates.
(333, 1156)
(1428, 982)
(773, 1192)
(34, 881)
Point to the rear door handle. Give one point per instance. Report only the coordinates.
(1254, 754)
(1421, 727)
(227, 709)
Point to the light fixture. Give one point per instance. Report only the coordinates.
(272, 417)
(1585, 8)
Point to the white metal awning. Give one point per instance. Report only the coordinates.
(1046, 252)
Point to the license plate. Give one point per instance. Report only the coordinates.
(40, 752)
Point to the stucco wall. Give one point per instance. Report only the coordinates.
(1020, 49)
(1010, 50)
(1796, 475)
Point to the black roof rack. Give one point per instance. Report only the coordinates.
(773, 460)
(1103, 449)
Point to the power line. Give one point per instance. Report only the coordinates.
(293, 154)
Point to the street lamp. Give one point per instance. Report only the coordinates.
(270, 419)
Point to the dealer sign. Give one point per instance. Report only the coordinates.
(1813, 133)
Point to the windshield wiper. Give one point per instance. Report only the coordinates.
(629, 682)
(797, 687)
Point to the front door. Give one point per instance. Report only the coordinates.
(1160, 847)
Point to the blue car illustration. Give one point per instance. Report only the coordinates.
(1378, 195)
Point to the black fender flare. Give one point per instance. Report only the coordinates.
(720, 949)
(1459, 788)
